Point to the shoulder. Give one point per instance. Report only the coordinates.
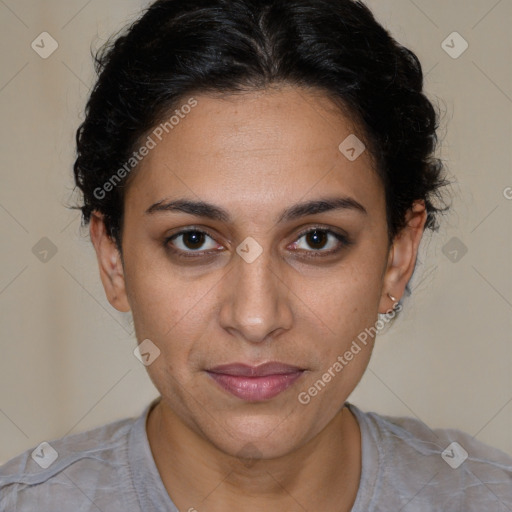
(424, 466)
(69, 473)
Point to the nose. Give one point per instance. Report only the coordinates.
(255, 300)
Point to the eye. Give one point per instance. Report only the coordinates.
(323, 241)
(190, 241)
(316, 241)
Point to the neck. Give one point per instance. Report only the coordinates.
(323, 474)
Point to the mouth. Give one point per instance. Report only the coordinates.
(255, 383)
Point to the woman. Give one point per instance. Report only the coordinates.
(257, 177)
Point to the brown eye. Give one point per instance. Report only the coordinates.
(192, 241)
(321, 242)
(317, 239)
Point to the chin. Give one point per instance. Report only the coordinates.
(256, 436)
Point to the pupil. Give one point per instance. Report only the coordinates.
(315, 239)
(193, 239)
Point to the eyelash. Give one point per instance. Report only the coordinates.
(344, 241)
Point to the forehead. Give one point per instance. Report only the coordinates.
(261, 149)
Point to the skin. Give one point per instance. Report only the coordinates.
(255, 155)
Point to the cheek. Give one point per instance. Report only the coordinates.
(343, 345)
(347, 300)
(153, 310)
(345, 310)
(168, 308)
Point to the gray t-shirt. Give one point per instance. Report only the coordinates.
(406, 467)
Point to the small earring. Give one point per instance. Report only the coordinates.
(392, 298)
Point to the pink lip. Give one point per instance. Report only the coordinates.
(255, 383)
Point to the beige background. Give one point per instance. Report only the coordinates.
(67, 360)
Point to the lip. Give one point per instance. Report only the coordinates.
(255, 383)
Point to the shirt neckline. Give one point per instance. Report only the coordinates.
(153, 495)
(150, 489)
(371, 463)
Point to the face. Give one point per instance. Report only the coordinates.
(249, 276)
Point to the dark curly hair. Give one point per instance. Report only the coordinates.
(178, 48)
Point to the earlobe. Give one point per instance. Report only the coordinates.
(110, 264)
(402, 256)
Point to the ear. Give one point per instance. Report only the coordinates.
(110, 263)
(402, 256)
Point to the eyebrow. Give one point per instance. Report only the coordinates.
(210, 211)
